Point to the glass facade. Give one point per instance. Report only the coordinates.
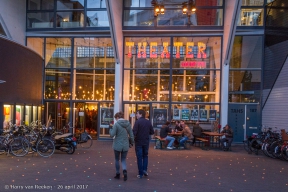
(61, 14)
(181, 76)
(246, 70)
(141, 13)
(79, 75)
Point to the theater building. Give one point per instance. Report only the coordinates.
(213, 61)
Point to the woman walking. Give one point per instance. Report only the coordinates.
(123, 132)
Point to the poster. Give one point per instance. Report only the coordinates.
(106, 117)
(185, 114)
(194, 114)
(212, 115)
(203, 114)
(159, 117)
(176, 114)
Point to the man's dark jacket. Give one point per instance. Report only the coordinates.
(142, 130)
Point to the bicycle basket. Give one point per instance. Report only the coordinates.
(84, 137)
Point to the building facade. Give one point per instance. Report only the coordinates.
(101, 57)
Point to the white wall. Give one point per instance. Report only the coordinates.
(275, 112)
(13, 14)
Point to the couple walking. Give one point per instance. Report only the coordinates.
(140, 135)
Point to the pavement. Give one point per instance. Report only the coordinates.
(169, 170)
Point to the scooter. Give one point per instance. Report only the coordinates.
(65, 142)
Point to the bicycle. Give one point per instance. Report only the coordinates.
(18, 146)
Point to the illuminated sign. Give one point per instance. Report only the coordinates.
(193, 64)
(129, 45)
(153, 48)
(165, 52)
(142, 50)
(142, 47)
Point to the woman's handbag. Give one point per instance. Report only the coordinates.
(129, 138)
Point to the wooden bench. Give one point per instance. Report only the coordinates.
(162, 141)
(203, 141)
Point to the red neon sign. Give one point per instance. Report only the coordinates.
(193, 64)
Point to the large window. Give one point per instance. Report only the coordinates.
(67, 14)
(245, 69)
(141, 13)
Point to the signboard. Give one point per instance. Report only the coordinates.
(159, 117)
(194, 114)
(212, 115)
(203, 114)
(176, 114)
(193, 64)
(106, 117)
(185, 113)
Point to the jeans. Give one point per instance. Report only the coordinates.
(228, 141)
(183, 140)
(171, 139)
(142, 158)
(123, 160)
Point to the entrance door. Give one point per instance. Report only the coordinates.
(131, 108)
(244, 120)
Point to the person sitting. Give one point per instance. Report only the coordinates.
(228, 133)
(187, 134)
(178, 127)
(164, 135)
(197, 131)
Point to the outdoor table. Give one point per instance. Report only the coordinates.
(211, 136)
(177, 136)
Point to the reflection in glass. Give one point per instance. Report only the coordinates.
(70, 19)
(244, 86)
(40, 4)
(36, 44)
(58, 52)
(40, 20)
(70, 4)
(138, 18)
(254, 2)
(97, 19)
(94, 53)
(96, 4)
(246, 52)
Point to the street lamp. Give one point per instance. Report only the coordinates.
(2, 81)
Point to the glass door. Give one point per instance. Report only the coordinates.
(130, 110)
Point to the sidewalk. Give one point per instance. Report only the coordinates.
(169, 170)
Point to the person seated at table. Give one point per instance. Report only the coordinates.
(164, 135)
(197, 131)
(178, 127)
(227, 137)
(187, 134)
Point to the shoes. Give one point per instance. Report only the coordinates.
(125, 175)
(174, 147)
(181, 147)
(139, 176)
(145, 173)
(169, 148)
(117, 176)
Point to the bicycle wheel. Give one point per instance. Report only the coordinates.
(255, 145)
(275, 149)
(87, 143)
(246, 146)
(2, 145)
(45, 147)
(284, 152)
(19, 146)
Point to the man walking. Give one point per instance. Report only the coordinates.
(142, 130)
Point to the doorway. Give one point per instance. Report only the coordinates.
(244, 119)
(131, 108)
